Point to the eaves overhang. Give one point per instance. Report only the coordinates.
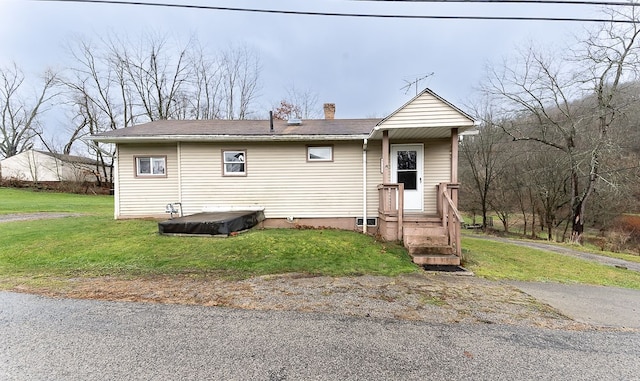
(224, 138)
(408, 133)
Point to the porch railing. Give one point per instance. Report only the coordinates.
(391, 203)
(451, 218)
(391, 207)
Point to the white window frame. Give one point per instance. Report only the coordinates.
(153, 166)
(225, 172)
(310, 148)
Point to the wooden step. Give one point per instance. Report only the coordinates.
(431, 250)
(435, 259)
(424, 224)
(425, 240)
(424, 218)
(424, 231)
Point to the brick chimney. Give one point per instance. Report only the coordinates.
(329, 110)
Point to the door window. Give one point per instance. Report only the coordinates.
(408, 169)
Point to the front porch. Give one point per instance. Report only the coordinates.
(430, 239)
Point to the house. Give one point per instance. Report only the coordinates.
(395, 177)
(42, 166)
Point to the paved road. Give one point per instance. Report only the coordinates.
(49, 339)
(594, 305)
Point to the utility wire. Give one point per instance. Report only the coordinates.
(337, 14)
(538, 2)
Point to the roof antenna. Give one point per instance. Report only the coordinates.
(409, 84)
(271, 121)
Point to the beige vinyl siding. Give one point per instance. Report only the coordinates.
(427, 111)
(278, 178)
(437, 169)
(374, 176)
(140, 196)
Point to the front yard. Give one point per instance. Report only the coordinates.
(45, 253)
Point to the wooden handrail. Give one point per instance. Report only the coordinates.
(391, 203)
(451, 217)
(452, 205)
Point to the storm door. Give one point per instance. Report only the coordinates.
(407, 168)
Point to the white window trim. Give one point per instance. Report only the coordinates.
(224, 162)
(309, 148)
(152, 159)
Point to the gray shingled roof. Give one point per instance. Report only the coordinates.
(70, 158)
(189, 129)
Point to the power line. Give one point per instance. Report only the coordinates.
(538, 2)
(338, 14)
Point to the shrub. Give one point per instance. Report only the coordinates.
(624, 233)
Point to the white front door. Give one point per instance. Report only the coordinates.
(407, 168)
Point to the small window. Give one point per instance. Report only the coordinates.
(370, 221)
(234, 163)
(324, 153)
(151, 166)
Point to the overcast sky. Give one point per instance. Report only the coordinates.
(361, 64)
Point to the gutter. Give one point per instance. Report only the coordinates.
(221, 138)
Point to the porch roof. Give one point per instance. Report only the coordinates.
(425, 116)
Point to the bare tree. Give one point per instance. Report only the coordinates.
(116, 83)
(571, 104)
(306, 102)
(101, 98)
(154, 73)
(483, 157)
(206, 81)
(19, 113)
(240, 70)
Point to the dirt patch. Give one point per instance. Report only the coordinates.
(428, 297)
(34, 216)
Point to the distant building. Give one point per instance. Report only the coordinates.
(41, 166)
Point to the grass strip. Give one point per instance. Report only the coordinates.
(497, 260)
(31, 201)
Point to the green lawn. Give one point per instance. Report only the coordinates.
(28, 201)
(95, 244)
(496, 260)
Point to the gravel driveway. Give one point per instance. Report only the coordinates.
(426, 297)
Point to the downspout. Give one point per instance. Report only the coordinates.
(364, 186)
(179, 153)
(116, 183)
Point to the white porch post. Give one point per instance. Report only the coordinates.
(454, 189)
(386, 175)
(454, 156)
